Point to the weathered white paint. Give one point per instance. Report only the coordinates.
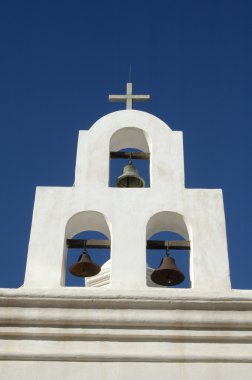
(120, 326)
(125, 371)
(44, 332)
(103, 277)
(59, 213)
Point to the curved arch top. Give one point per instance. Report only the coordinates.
(129, 118)
(130, 137)
(85, 221)
(129, 129)
(167, 221)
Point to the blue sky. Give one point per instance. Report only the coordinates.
(61, 59)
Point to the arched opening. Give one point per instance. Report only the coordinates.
(117, 171)
(181, 256)
(87, 230)
(98, 256)
(168, 230)
(129, 159)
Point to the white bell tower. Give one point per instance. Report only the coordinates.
(119, 324)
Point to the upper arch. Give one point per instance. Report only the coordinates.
(87, 221)
(129, 137)
(167, 221)
(129, 118)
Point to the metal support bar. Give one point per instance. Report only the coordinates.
(90, 243)
(170, 244)
(133, 155)
(151, 244)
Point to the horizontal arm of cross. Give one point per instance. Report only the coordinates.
(123, 98)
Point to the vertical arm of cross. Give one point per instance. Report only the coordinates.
(129, 96)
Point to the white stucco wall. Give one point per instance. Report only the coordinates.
(126, 371)
(125, 329)
(196, 214)
(103, 333)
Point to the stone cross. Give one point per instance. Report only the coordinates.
(129, 97)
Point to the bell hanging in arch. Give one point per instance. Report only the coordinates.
(167, 274)
(130, 177)
(85, 267)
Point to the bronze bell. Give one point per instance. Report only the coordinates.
(85, 267)
(130, 177)
(167, 273)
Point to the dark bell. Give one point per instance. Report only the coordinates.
(85, 267)
(130, 177)
(167, 273)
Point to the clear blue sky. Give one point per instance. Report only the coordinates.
(61, 59)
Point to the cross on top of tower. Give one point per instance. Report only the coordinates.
(129, 97)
